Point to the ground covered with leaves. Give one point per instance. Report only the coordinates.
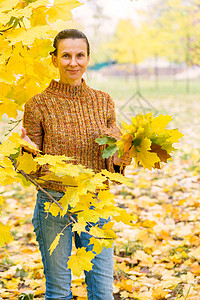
(157, 258)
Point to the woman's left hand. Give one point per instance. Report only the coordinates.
(124, 160)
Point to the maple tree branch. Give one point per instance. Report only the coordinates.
(12, 122)
(68, 224)
(4, 30)
(40, 188)
(34, 182)
(28, 177)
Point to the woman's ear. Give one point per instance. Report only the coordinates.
(54, 60)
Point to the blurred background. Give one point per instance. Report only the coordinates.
(142, 50)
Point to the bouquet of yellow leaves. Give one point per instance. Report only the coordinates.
(146, 138)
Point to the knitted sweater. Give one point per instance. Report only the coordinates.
(66, 120)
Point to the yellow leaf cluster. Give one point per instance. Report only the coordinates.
(27, 29)
(147, 140)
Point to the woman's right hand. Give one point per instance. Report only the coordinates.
(25, 137)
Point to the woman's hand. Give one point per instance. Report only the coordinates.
(124, 160)
(27, 139)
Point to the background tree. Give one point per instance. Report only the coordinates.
(129, 45)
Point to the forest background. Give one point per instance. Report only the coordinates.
(151, 64)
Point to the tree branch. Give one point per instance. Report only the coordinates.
(12, 122)
(40, 188)
(51, 198)
(6, 29)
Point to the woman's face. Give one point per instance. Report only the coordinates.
(71, 60)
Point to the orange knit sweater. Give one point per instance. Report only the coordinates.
(66, 120)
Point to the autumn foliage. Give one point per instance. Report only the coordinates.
(27, 28)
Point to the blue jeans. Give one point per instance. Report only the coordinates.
(58, 278)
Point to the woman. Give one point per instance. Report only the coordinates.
(66, 119)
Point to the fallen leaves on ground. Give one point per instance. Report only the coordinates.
(155, 259)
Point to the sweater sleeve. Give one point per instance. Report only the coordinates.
(32, 122)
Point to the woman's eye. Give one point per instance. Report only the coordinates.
(80, 55)
(66, 55)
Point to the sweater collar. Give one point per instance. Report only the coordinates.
(67, 89)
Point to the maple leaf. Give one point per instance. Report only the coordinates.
(145, 259)
(98, 244)
(81, 261)
(26, 163)
(53, 208)
(144, 156)
(104, 198)
(98, 179)
(9, 3)
(124, 217)
(117, 177)
(158, 293)
(159, 123)
(12, 111)
(7, 148)
(52, 159)
(80, 225)
(55, 243)
(5, 236)
(71, 198)
(108, 230)
(61, 9)
(97, 232)
(161, 153)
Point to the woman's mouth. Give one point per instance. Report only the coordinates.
(73, 71)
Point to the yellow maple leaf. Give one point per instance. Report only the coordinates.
(53, 208)
(97, 232)
(71, 198)
(145, 259)
(108, 231)
(175, 135)
(67, 169)
(85, 184)
(7, 148)
(146, 158)
(118, 177)
(158, 293)
(124, 217)
(104, 198)
(26, 163)
(52, 159)
(55, 243)
(80, 225)
(9, 3)
(97, 245)
(61, 9)
(5, 236)
(81, 261)
(159, 123)
(98, 179)
(9, 108)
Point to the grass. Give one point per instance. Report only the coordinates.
(168, 97)
(121, 88)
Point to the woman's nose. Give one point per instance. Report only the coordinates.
(73, 61)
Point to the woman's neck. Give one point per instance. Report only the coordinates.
(71, 82)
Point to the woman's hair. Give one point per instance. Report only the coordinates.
(69, 34)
